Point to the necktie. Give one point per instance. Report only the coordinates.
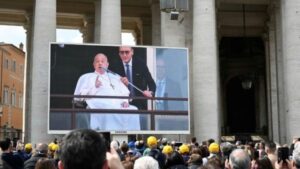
(129, 77)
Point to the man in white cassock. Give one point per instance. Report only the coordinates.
(102, 83)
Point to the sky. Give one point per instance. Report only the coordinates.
(17, 34)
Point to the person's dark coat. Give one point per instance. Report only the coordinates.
(30, 163)
(14, 161)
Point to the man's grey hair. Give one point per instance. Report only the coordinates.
(42, 148)
(296, 155)
(146, 162)
(239, 159)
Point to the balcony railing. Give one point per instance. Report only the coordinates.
(152, 112)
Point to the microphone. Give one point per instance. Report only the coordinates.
(107, 70)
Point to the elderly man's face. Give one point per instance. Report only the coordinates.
(100, 61)
(125, 53)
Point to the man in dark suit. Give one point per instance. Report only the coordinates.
(134, 70)
(166, 87)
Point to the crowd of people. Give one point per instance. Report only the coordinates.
(87, 149)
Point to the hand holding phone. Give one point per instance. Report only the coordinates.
(283, 154)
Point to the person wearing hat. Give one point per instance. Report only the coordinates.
(167, 150)
(214, 150)
(28, 148)
(152, 144)
(154, 152)
(184, 150)
(52, 149)
(140, 146)
(133, 152)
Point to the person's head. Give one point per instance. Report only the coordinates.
(164, 141)
(195, 159)
(175, 159)
(296, 155)
(127, 164)
(161, 69)
(184, 149)
(125, 53)
(196, 150)
(131, 145)
(124, 148)
(100, 61)
(214, 148)
(152, 142)
(193, 139)
(262, 145)
(209, 165)
(263, 163)
(6, 145)
(239, 159)
(158, 156)
(270, 147)
(146, 162)
(42, 149)
(167, 150)
(204, 151)
(45, 163)
(20, 146)
(209, 141)
(28, 148)
(83, 148)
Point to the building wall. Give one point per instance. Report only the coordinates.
(12, 81)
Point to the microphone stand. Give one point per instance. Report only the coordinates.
(107, 70)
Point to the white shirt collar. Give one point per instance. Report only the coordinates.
(129, 63)
(100, 74)
(162, 80)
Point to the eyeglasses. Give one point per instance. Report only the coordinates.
(124, 52)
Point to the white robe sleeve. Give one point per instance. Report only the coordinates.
(85, 86)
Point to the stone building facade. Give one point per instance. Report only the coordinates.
(12, 65)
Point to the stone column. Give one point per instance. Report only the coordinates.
(205, 73)
(97, 21)
(172, 31)
(291, 65)
(88, 29)
(44, 31)
(156, 26)
(272, 88)
(279, 64)
(146, 32)
(28, 80)
(110, 22)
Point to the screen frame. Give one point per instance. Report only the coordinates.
(153, 72)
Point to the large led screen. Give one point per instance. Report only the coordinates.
(118, 89)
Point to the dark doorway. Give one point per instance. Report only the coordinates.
(240, 107)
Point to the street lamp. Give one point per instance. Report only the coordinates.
(247, 80)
